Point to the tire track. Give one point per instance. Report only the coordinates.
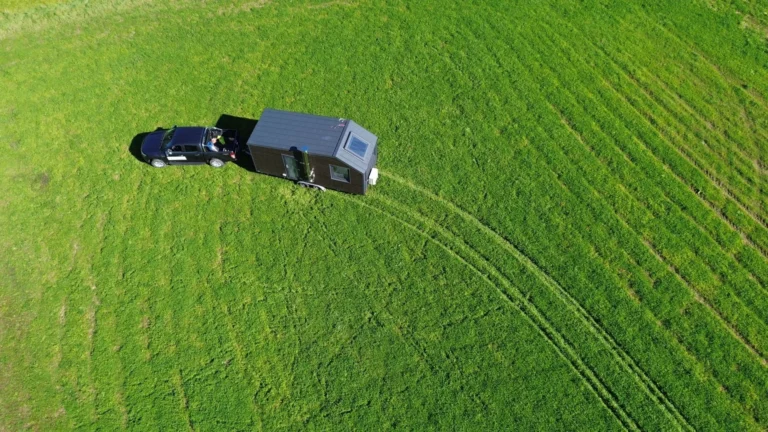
(619, 354)
(231, 330)
(528, 310)
(713, 180)
(178, 383)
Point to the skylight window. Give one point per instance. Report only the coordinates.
(357, 146)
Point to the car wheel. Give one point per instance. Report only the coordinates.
(216, 163)
(157, 163)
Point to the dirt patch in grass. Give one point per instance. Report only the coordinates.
(331, 3)
(42, 180)
(243, 8)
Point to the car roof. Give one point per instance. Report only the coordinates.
(188, 135)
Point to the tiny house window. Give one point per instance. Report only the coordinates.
(357, 146)
(291, 167)
(340, 173)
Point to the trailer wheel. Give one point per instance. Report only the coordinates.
(305, 184)
(216, 163)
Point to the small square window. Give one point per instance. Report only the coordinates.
(357, 146)
(340, 173)
(191, 148)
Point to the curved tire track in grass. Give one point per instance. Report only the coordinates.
(620, 355)
(517, 300)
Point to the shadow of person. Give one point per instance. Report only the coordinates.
(244, 127)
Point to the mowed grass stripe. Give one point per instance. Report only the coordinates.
(684, 391)
(104, 362)
(649, 386)
(672, 380)
(619, 61)
(682, 199)
(563, 162)
(733, 185)
(639, 174)
(153, 399)
(512, 296)
(697, 139)
(519, 74)
(702, 73)
(564, 187)
(726, 75)
(109, 278)
(208, 350)
(757, 266)
(743, 277)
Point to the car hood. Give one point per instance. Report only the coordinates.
(151, 144)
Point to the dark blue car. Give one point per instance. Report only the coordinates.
(190, 146)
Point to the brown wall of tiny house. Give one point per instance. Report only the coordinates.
(270, 161)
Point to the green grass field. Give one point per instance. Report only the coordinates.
(570, 230)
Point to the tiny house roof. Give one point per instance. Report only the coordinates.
(334, 137)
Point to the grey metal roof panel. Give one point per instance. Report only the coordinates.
(284, 129)
(342, 153)
(323, 136)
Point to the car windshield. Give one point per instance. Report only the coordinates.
(167, 138)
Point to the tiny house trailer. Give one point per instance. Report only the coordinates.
(315, 151)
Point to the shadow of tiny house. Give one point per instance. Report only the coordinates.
(315, 151)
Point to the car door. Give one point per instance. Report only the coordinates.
(184, 154)
(194, 153)
(176, 155)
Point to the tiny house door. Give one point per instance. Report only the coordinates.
(291, 167)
